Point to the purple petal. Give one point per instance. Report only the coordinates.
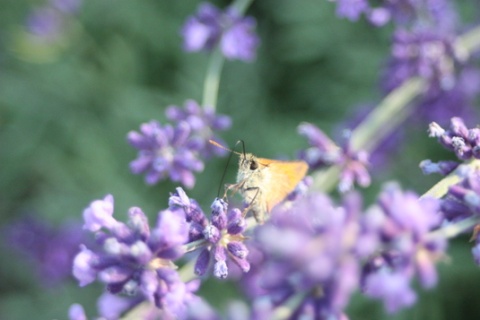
(99, 214)
(220, 269)
(203, 260)
(83, 264)
(76, 312)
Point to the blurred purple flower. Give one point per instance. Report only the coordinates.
(165, 151)
(309, 250)
(76, 312)
(49, 22)
(66, 6)
(204, 123)
(431, 55)
(176, 151)
(403, 223)
(426, 53)
(211, 27)
(393, 288)
(222, 235)
(49, 249)
(437, 13)
(386, 150)
(351, 9)
(463, 198)
(324, 152)
(442, 167)
(46, 23)
(134, 259)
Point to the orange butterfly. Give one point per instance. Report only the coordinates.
(264, 183)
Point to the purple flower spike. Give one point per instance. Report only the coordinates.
(222, 235)
(463, 199)
(176, 151)
(404, 224)
(430, 54)
(442, 167)
(193, 213)
(324, 152)
(464, 142)
(135, 260)
(210, 27)
(165, 151)
(49, 249)
(310, 248)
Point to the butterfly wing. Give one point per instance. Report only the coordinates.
(281, 178)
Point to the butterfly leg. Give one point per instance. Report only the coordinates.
(255, 204)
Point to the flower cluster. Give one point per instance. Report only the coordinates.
(463, 199)
(402, 223)
(432, 55)
(315, 254)
(437, 12)
(210, 27)
(50, 250)
(175, 151)
(221, 237)
(308, 251)
(464, 142)
(47, 22)
(135, 260)
(324, 152)
(425, 53)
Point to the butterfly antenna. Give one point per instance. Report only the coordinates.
(243, 148)
(225, 171)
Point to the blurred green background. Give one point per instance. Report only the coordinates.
(65, 110)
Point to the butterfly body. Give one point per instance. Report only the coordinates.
(264, 183)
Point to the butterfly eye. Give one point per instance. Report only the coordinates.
(253, 165)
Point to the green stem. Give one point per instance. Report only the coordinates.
(441, 187)
(470, 41)
(215, 65)
(212, 80)
(455, 229)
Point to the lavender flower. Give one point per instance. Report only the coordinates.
(463, 199)
(424, 53)
(310, 251)
(49, 249)
(232, 33)
(351, 9)
(438, 13)
(49, 22)
(204, 123)
(324, 152)
(443, 167)
(176, 151)
(165, 151)
(222, 235)
(431, 55)
(45, 23)
(464, 142)
(403, 224)
(76, 312)
(134, 259)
